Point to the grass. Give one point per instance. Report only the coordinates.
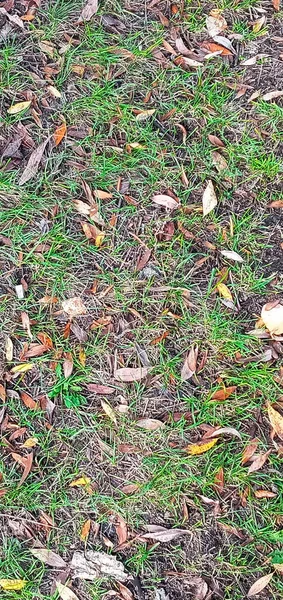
(180, 299)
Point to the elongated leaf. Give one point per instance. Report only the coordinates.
(190, 365)
(201, 447)
(259, 585)
(273, 318)
(249, 451)
(85, 530)
(48, 557)
(19, 107)
(59, 134)
(166, 201)
(12, 584)
(143, 260)
(259, 462)
(272, 95)
(130, 374)
(264, 494)
(81, 481)
(27, 468)
(163, 535)
(9, 350)
(97, 388)
(221, 395)
(276, 420)
(28, 401)
(209, 198)
(150, 424)
(232, 255)
(33, 163)
(215, 141)
(23, 368)
(65, 592)
(227, 430)
(109, 411)
(145, 114)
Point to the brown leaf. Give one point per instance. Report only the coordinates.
(166, 201)
(264, 494)
(2, 393)
(276, 420)
(219, 481)
(126, 594)
(74, 307)
(163, 535)
(48, 300)
(97, 388)
(273, 318)
(28, 401)
(68, 365)
(150, 424)
(160, 338)
(27, 468)
(48, 557)
(249, 451)
(276, 4)
(209, 198)
(45, 339)
(102, 195)
(59, 134)
(190, 364)
(5, 241)
(272, 95)
(90, 9)
(214, 47)
(79, 333)
(121, 529)
(130, 374)
(221, 395)
(215, 141)
(143, 260)
(223, 430)
(215, 24)
(259, 585)
(35, 350)
(219, 161)
(65, 592)
(128, 449)
(26, 323)
(85, 530)
(47, 405)
(259, 462)
(33, 163)
(130, 488)
(275, 204)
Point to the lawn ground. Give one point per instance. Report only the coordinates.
(140, 121)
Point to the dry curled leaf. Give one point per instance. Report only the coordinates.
(219, 162)
(74, 307)
(273, 318)
(249, 451)
(150, 424)
(92, 565)
(143, 260)
(28, 460)
(258, 462)
(68, 365)
(145, 114)
(209, 198)
(190, 365)
(85, 530)
(259, 585)
(221, 395)
(201, 447)
(89, 10)
(130, 374)
(227, 430)
(33, 163)
(125, 593)
(163, 535)
(65, 592)
(59, 134)
(276, 4)
(275, 204)
(48, 557)
(166, 201)
(19, 107)
(276, 420)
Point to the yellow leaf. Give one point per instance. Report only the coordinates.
(201, 447)
(109, 411)
(276, 420)
(85, 530)
(23, 368)
(12, 584)
(30, 442)
(19, 107)
(82, 357)
(224, 291)
(99, 240)
(81, 481)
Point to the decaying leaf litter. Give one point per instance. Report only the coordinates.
(141, 294)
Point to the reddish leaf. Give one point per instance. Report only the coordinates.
(160, 338)
(128, 374)
(2, 393)
(264, 494)
(221, 395)
(276, 4)
(97, 388)
(213, 47)
(125, 593)
(59, 134)
(128, 449)
(131, 488)
(143, 260)
(45, 340)
(28, 401)
(249, 451)
(275, 204)
(166, 201)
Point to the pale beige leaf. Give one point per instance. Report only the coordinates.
(82, 207)
(19, 107)
(90, 8)
(272, 95)
(273, 319)
(109, 411)
(53, 91)
(259, 585)
(219, 161)
(227, 430)
(190, 365)
(33, 163)
(65, 592)
(166, 201)
(150, 424)
(231, 255)
(129, 374)
(215, 25)
(9, 350)
(145, 114)
(259, 461)
(74, 307)
(163, 535)
(276, 420)
(48, 557)
(209, 198)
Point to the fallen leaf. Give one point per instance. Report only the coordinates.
(221, 395)
(276, 4)
(100, 389)
(224, 291)
(102, 195)
(215, 47)
(33, 163)
(259, 23)
(35, 350)
(74, 307)
(14, 585)
(264, 494)
(219, 481)
(166, 201)
(93, 565)
(109, 411)
(85, 530)
(126, 594)
(9, 350)
(90, 9)
(48, 557)
(121, 529)
(45, 339)
(249, 451)
(275, 204)
(47, 405)
(209, 198)
(232, 255)
(145, 114)
(163, 535)
(272, 95)
(27, 468)
(227, 430)
(2, 393)
(250, 61)
(150, 424)
(215, 25)
(201, 447)
(81, 481)
(190, 365)
(128, 449)
(130, 488)
(129, 374)
(219, 161)
(259, 462)
(47, 48)
(68, 365)
(276, 420)
(259, 585)
(28, 401)
(59, 134)
(23, 368)
(48, 300)
(79, 332)
(65, 592)
(273, 318)
(19, 107)
(143, 260)
(13, 18)
(26, 323)
(30, 442)
(160, 338)
(215, 141)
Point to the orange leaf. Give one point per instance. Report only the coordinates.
(28, 401)
(222, 395)
(85, 530)
(27, 468)
(249, 451)
(213, 47)
(45, 340)
(276, 4)
(2, 393)
(159, 339)
(264, 494)
(59, 134)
